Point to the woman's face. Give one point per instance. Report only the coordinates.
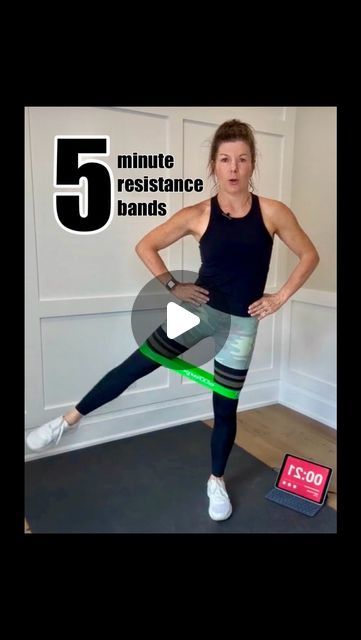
(233, 166)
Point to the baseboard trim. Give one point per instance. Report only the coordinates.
(308, 403)
(99, 429)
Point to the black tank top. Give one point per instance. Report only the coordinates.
(235, 255)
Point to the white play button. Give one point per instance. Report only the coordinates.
(179, 320)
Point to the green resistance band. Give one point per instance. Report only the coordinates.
(190, 371)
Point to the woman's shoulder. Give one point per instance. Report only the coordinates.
(195, 217)
(269, 204)
(198, 208)
(275, 213)
(272, 208)
(195, 211)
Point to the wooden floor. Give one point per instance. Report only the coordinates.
(269, 432)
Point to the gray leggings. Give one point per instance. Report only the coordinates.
(234, 341)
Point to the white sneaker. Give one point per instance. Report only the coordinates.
(220, 507)
(48, 433)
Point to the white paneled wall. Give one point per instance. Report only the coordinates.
(80, 289)
(308, 380)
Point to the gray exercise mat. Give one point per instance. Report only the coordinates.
(156, 483)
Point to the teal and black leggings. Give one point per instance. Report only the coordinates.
(230, 370)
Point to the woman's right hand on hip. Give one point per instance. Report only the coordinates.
(189, 292)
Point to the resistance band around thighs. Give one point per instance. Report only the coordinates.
(187, 369)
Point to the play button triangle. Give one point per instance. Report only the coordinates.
(179, 320)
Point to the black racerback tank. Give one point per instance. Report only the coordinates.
(235, 255)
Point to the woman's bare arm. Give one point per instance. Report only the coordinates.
(177, 227)
(285, 225)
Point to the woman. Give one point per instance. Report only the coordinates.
(235, 231)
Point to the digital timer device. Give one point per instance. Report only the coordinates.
(301, 485)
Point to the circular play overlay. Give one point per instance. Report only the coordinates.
(202, 329)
